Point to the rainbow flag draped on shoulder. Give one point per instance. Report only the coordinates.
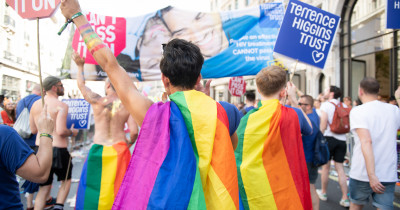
(270, 160)
(183, 158)
(102, 175)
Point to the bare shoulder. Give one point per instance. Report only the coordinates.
(36, 106)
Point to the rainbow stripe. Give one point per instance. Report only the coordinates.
(183, 158)
(102, 175)
(270, 160)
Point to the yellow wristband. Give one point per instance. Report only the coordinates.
(47, 135)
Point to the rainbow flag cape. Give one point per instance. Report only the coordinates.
(102, 175)
(183, 158)
(270, 160)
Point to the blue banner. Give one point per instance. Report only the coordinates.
(78, 113)
(306, 33)
(233, 43)
(393, 14)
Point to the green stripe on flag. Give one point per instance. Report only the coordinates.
(239, 154)
(93, 177)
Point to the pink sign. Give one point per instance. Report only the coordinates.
(112, 30)
(31, 9)
(237, 86)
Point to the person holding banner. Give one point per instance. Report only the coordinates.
(184, 155)
(61, 166)
(109, 156)
(270, 160)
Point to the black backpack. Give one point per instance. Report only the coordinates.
(321, 150)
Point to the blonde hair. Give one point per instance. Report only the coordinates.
(270, 80)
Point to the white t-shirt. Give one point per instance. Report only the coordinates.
(382, 120)
(329, 109)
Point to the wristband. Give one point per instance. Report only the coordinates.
(47, 135)
(68, 22)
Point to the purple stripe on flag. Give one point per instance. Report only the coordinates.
(146, 160)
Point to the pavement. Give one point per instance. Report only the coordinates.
(79, 156)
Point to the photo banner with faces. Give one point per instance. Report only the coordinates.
(233, 43)
(306, 33)
(78, 113)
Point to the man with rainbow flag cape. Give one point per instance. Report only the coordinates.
(270, 160)
(109, 156)
(184, 156)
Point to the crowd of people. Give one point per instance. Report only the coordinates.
(194, 152)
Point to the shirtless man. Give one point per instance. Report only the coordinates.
(61, 157)
(110, 142)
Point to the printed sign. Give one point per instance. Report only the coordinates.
(31, 9)
(393, 14)
(233, 43)
(306, 33)
(78, 113)
(111, 30)
(237, 86)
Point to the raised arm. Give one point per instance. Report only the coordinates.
(135, 102)
(87, 93)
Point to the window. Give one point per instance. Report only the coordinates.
(236, 4)
(247, 2)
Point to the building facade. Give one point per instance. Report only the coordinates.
(18, 51)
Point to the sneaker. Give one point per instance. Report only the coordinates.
(321, 195)
(50, 203)
(344, 203)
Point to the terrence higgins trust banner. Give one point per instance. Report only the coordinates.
(307, 33)
(233, 43)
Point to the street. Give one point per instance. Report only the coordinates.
(332, 203)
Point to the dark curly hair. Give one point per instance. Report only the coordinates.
(181, 63)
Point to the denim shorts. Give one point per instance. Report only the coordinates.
(360, 192)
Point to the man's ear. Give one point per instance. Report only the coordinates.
(139, 43)
(199, 79)
(166, 82)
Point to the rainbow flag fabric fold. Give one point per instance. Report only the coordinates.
(102, 175)
(270, 160)
(183, 158)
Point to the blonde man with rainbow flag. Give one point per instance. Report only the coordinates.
(270, 160)
(184, 156)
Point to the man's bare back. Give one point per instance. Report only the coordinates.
(109, 117)
(58, 112)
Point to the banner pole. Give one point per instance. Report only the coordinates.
(39, 66)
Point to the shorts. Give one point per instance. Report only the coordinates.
(312, 173)
(337, 149)
(61, 159)
(360, 192)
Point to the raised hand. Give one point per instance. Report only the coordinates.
(78, 59)
(69, 8)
